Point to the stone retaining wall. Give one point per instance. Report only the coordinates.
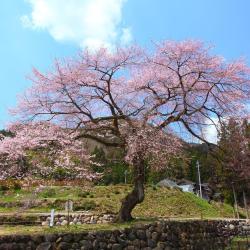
(168, 235)
(78, 219)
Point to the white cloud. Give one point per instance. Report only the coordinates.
(210, 132)
(88, 23)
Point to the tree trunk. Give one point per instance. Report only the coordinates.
(137, 194)
(235, 202)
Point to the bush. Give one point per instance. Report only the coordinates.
(83, 194)
(17, 186)
(4, 188)
(116, 192)
(154, 187)
(88, 205)
(50, 192)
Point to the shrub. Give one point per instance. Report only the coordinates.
(4, 188)
(50, 192)
(83, 194)
(88, 205)
(17, 186)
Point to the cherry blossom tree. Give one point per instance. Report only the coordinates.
(60, 144)
(131, 98)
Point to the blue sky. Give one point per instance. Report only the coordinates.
(34, 32)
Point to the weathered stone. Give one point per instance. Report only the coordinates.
(64, 222)
(67, 238)
(37, 239)
(151, 243)
(45, 223)
(8, 246)
(85, 243)
(116, 247)
(59, 240)
(63, 246)
(75, 245)
(50, 237)
(136, 243)
(155, 236)
(161, 245)
(131, 236)
(130, 248)
(103, 245)
(44, 246)
(141, 234)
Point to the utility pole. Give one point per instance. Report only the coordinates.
(125, 176)
(199, 176)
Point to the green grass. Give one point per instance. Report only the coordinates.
(159, 202)
(21, 229)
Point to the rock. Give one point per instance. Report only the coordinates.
(155, 236)
(86, 244)
(63, 246)
(105, 217)
(45, 223)
(50, 237)
(59, 240)
(141, 234)
(68, 237)
(231, 226)
(64, 223)
(96, 244)
(78, 223)
(116, 247)
(161, 245)
(61, 219)
(37, 239)
(9, 246)
(131, 236)
(44, 246)
(75, 245)
(151, 243)
(103, 245)
(131, 248)
(71, 223)
(136, 243)
(105, 221)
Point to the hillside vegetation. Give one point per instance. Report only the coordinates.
(159, 202)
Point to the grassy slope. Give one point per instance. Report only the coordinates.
(161, 202)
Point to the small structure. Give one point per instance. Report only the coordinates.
(167, 183)
(186, 185)
(187, 188)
